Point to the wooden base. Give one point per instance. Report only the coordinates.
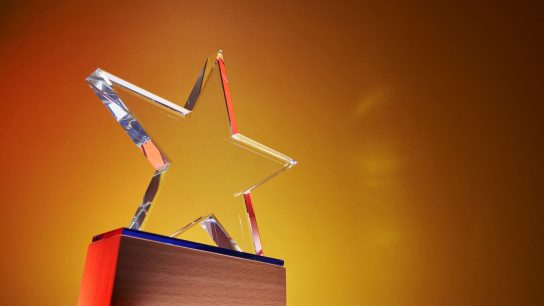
(127, 267)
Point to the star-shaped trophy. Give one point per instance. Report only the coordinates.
(212, 167)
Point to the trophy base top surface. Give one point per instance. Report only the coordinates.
(123, 231)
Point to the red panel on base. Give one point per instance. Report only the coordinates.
(99, 273)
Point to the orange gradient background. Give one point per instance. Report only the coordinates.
(417, 127)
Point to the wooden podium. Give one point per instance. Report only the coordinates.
(127, 267)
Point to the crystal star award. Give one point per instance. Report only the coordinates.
(193, 238)
(204, 171)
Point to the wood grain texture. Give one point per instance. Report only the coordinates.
(151, 273)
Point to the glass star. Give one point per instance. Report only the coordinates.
(213, 179)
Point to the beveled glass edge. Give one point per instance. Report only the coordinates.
(202, 221)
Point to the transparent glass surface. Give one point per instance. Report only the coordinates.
(215, 230)
(204, 169)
